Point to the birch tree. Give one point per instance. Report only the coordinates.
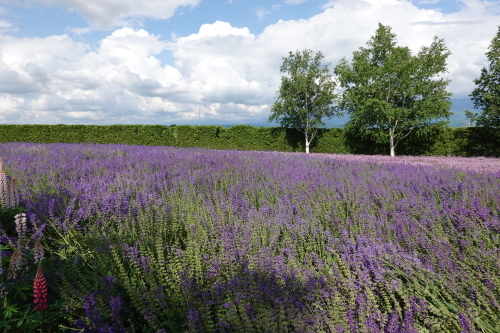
(306, 97)
(390, 93)
(486, 95)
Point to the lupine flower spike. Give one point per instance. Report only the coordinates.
(39, 253)
(41, 291)
(16, 263)
(9, 194)
(3, 189)
(21, 228)
(18, 260)
(13, 193)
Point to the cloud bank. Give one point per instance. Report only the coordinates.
(227, 74)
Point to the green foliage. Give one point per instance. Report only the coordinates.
(391, 93)
(96, 262)
(471, 141)
(486, 96)
(18, 311)
(17, 315)
(330, 140)
(476, 141)
(306, 96)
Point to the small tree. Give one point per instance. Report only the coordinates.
(306, 96)
(389, 93)
(487, 93)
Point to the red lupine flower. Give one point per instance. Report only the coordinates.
(41, 291)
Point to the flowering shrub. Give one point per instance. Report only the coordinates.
(161, 239)
(20, 298)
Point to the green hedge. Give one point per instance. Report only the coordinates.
(469, 141)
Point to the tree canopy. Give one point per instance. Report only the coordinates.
(390, 93)
(486, 95)
(306, 96)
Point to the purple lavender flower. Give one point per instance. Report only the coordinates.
(115, 303)
(464, 323)
(91, 311)
(228, 238)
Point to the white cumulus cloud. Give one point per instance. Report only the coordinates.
(223, 73)
(103, 14)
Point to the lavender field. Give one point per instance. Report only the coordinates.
(162, 239)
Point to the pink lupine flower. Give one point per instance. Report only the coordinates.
(3, 190)
(9, 194)
(41, 291)
(20, 220)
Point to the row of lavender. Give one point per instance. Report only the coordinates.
(165, 239)
(478, 164)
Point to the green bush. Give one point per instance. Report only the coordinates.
(469, 141)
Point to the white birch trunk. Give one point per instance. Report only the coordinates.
(391, 142)
(307, 126)
(307, 143)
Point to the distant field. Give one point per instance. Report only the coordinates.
(196, 240)
(475, 164)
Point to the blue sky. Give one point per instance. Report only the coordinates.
(205, 61)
